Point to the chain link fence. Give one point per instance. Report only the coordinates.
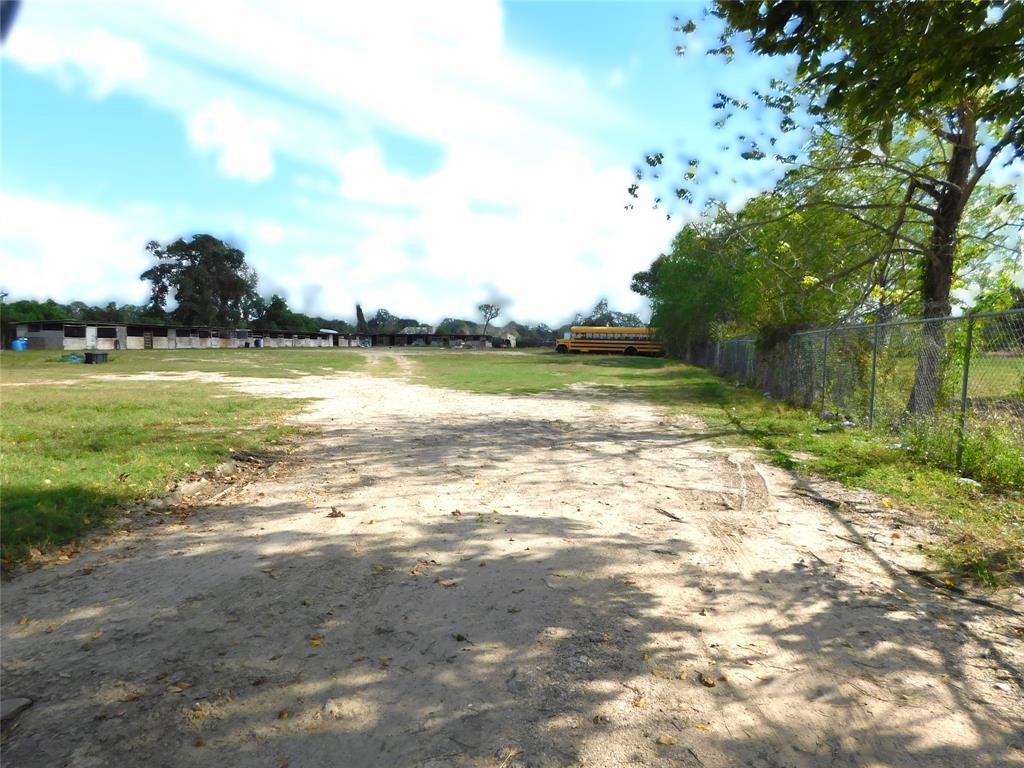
(947, 384)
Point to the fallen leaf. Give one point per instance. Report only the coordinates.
(314, 642)
(385, 661)
(705, 680)
(133, 696)
(702, 726)
(665, 740)
(181, 685)
(23, 621)
(284, 714)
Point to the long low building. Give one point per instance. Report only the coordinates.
(72, 335)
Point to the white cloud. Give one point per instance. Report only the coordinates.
(243, 143)
(528, 195)
(268, 232)
(75, 251)
(104, 61)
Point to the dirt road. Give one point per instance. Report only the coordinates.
(436, 578)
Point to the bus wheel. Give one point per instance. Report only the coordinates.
(630, 350)
(561, 349)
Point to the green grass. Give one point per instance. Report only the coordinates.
(77, 448)
(526, 372)
(261, 363)
(984, 529)
(996, 376)
(69, 433)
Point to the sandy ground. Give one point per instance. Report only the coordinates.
(435, 578)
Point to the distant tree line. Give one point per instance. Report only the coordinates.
(205, 281)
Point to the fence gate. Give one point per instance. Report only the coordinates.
(147, 340)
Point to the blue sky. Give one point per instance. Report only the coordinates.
(418, 157)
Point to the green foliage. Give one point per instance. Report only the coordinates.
(272, 314)
(454, 325)
(992, 452)
(819, 248)
(531, 335)
(488, 312)
(210, 280)
(28, 310)
(275, 315)
(385, 322)
(921, 99)
(73, 456)
(878, 64)
(602, 315)
(361, 325)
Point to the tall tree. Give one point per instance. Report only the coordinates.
(361, 325)
(210, 281)
(276, 316)
(488, 312)
(872, 70)
(602, 315)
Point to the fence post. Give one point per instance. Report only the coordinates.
(963, 394)
(874, 379)
(824, 373)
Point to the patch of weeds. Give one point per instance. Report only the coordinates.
(73, 456)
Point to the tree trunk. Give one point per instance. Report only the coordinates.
(939, 266)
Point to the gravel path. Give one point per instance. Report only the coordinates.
(434, 578)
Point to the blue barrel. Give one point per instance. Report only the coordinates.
(258, 343)
(19, 345)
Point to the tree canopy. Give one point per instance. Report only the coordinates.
(905, 108)
(209, 279)
(877, 65)
(488, 312)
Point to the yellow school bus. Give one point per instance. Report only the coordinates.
(622, 341)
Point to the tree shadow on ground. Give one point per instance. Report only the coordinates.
(419, 655)
(263, 634)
